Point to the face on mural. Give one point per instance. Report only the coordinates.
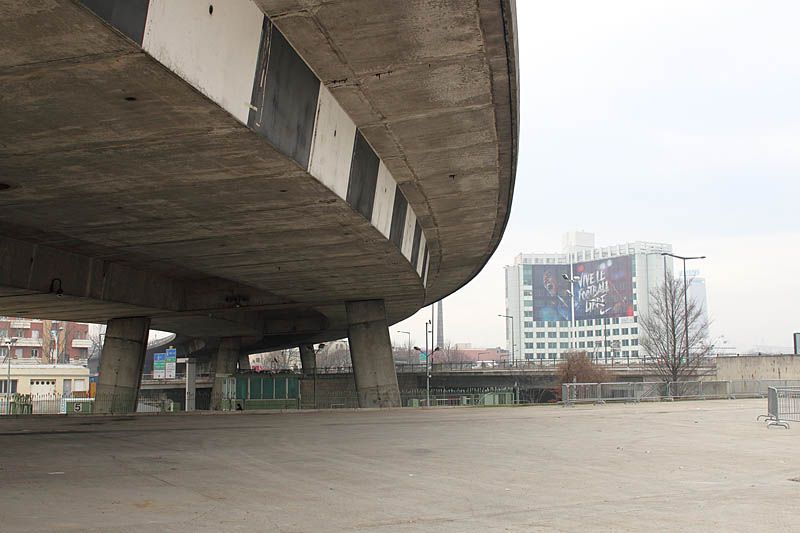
(550, 283)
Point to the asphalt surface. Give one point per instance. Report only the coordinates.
(688, 466)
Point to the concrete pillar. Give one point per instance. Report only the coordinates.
(224, 367)
(191, 383)
(371, 353)
(121, 362)
(308, 359)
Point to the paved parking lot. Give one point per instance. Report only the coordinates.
(688, 466)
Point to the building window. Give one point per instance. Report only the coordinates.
(540, 334)
(564, 345)
(528, 334)
(551, 324)
(598, 332)
(563, 323)
(552, 345)
(539, 324)
(624, 331)
(529, 314)
(625, 342)
(581, 334)
(635, 353)
(528, 345)
(528, 324)
(527, 293)
(635, 331)
(615, 331)
(625, 353)
(3, 333)
(634, 342)
(34, 352)
(528, 356)
(540, 356)
(564, 334)
(540, 345)
(582, 344)
(590, 334)
(552, 334)
(552, 355)
(3, 385)
(598, 343)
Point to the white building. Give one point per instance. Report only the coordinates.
(611, 290)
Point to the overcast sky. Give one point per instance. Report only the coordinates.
(674, 121)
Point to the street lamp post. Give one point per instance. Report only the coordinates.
(408, 345)
(685, 297)
(9, 342)
(573, 280)
(428, 365)
(512, 336)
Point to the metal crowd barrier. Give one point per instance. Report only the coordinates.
(783, 406)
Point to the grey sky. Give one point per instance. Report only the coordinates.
(670, 121)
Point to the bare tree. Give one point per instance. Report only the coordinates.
(578, 367)
(449, 354)
(663, 333)
(334, 354)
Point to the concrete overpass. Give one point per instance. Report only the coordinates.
(255, 174)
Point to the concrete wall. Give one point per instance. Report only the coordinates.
(758, 367)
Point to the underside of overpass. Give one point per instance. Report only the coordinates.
(251, 169)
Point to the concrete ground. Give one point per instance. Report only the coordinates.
(689, 466)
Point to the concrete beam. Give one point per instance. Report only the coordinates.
(121, 365)
(371, 353)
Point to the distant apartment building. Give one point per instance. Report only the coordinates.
(605, 289)
(46, 341)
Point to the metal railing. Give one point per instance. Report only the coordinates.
(489, 366)
(783, 406)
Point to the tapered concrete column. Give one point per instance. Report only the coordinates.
(308, 358)
(371, 353)
(121, 362)
(224, 367)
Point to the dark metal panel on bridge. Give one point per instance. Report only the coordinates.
(363, 177)
(127, 16)
(285, 93)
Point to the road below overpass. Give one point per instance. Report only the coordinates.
(683, 466)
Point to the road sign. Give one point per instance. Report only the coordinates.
(77, 407)
(159, 365)
(423, 357)
(171, 362)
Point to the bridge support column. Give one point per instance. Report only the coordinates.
(224, 367)
(308, 359)
(121, 362)
(371, 353)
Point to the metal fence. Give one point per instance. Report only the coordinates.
(470, 396)
(573, 393)
(783, 406)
